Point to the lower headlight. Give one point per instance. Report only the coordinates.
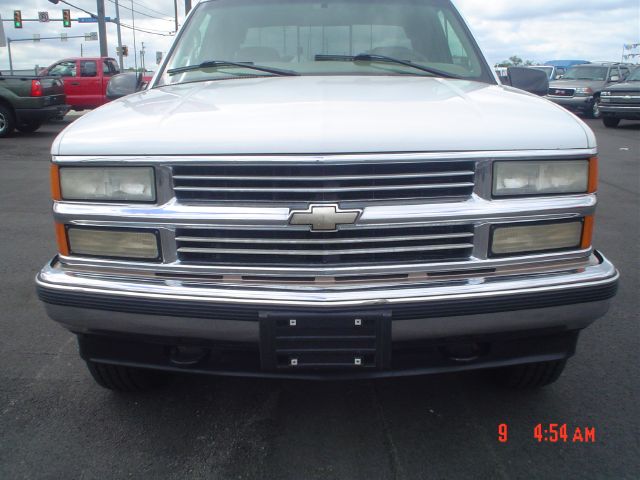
(517, 178)
(111, 184)
(519, 239)
(113, 243)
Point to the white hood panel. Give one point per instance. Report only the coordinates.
(317, 115)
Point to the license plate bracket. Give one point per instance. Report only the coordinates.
(300, 340)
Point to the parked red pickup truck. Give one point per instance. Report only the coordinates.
(85, 79)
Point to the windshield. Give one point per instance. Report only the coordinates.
(635, 76)
(294, 35)
(547, 70)
(586, 73)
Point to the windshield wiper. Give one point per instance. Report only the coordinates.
(225, 63)
(366, 57)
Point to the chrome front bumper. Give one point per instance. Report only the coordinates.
(623, 111)
(573, 103)
(88, 302)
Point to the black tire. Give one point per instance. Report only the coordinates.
(529, 376)
(611, 122)
(29, 127)
(125, 379)
(7, 121)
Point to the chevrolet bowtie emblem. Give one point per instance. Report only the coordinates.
(323, 217)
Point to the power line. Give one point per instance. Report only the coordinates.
(169, 34)
(142, 13)
(151, 9)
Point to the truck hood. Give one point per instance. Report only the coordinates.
(323, 114)
(625, 87)
(595, 84)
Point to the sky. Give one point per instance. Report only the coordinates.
(537, 30)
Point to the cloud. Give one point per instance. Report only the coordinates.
(543, 30)
(509, 10)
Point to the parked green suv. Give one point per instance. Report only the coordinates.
(621, 101)
(581, 86)
(26, 102)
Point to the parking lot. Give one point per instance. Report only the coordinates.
(55, 422)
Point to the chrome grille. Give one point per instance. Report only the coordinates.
(300, 247)
(562, 92)
(322, 182)
(627, 99)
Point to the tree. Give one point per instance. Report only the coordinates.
(515, 61)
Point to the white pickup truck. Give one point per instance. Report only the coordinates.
(326, 189)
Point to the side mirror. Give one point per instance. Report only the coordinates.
(123, 84)
(614, 78)
(528, 79)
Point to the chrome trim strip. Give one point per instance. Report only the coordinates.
(54, 277)
(99, 266)
(475, 209)
(337, 158)
(621, 107)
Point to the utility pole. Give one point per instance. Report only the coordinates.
(142, 57)
(133, 24)
(175, 8)
(187, 7)
(10, 59)
(102, 25)
(120, 57)
(102, 29)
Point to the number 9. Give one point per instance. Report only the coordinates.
(503, 433)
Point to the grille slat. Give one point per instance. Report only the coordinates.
(297, 247)
(322, 190)
(319, 181)
(355, 251)
(321, 241)
(562, 92)
(326, 179)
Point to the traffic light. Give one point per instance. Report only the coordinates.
(17, 19)
(125, 51)
(66, 18)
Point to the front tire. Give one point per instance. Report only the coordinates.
(125, 379)
(7, 121)
(29, 127)
(595, 108)
(611, 122)
(529, 376)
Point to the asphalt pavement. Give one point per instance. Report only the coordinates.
(55, 422)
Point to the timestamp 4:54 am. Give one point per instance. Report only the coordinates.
(554, 433)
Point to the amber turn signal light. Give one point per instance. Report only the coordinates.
(587, 232)
(56, 194)
(61, 239)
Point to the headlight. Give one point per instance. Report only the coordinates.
(116, 184)
(542, 177)
(519, 239)
(584, 91)
(605, 94)
(124, 243)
